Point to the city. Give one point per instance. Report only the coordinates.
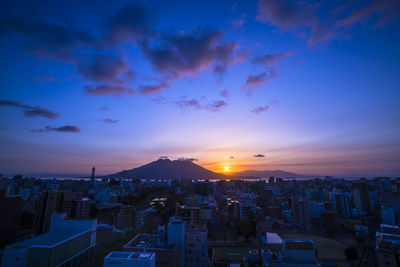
(211, 133)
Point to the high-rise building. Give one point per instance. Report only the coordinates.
(361, 197)
(176, 235)
(300, 211)
(126, 217)
(387, 215)
(10, 214)
(341, 203)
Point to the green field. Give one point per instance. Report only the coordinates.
(327, 248)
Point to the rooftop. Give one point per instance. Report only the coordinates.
(130, 255)
(50, 239)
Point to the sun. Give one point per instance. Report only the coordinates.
(226, 168)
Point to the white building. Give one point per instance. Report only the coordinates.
(130, 259)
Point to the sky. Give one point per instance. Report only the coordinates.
(311, 87)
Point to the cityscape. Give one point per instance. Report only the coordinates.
(200, 133)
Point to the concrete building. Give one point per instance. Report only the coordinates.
(295, 253)
(10, 214)
(176, 235)
(388, 246)
(126, 217)
(167, 255)
(196, 245)
(387, 215)
(361, 197)
(341, 203)
(300, 211)
(68, 243)
(130, 259)
(270, 241)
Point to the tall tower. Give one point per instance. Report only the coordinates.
(93, 170)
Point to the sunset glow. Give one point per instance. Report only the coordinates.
(227, 84)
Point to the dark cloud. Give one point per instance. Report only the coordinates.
(189, 53)
(187, 159)
(31, 111)
(105, 90)
(306, 18)
(231, 157)
(270, 60)
(110, 121)
(258, 110)
(47, 40)
(104, 108)
(40, 112)
(259, 156)
(102, 68)
(132, 22)
(286, 14)
(65, 129)
(45, 79)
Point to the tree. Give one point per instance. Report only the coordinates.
(351, 254)
(247, 228)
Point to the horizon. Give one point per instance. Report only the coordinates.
(310, 87)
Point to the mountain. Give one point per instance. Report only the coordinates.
(268, 173)
(168, 169)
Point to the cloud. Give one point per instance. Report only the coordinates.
(254, 81)
(187, 159)
(231, 157)
(30, 111)
(270, 60)
(104, 108)
(65, 129)
(163, 157)
(105, 90)
(110, 121)
(286, 14)
(152, 89)
(132, 22)
(196, 104)
(102, 68)
(216, 106)
(258, 110)
(224, 93)
(385, 11)
(259, 156)
(191, 52)
(45, 79)
(47, 40)
(307, 19)
(237, 23)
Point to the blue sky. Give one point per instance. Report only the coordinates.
(311, 86)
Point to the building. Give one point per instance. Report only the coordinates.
(361, 197)
(270, 241)
(81, 209)
(68, 243)
(388, 246)
(341, 203)
(126, 217)
(10, 214)
(176, 235)
(300, 212)
(130, 259)
(167, 255)
(387, 215)
(196, 245)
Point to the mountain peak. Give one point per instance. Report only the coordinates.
(165, 168)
